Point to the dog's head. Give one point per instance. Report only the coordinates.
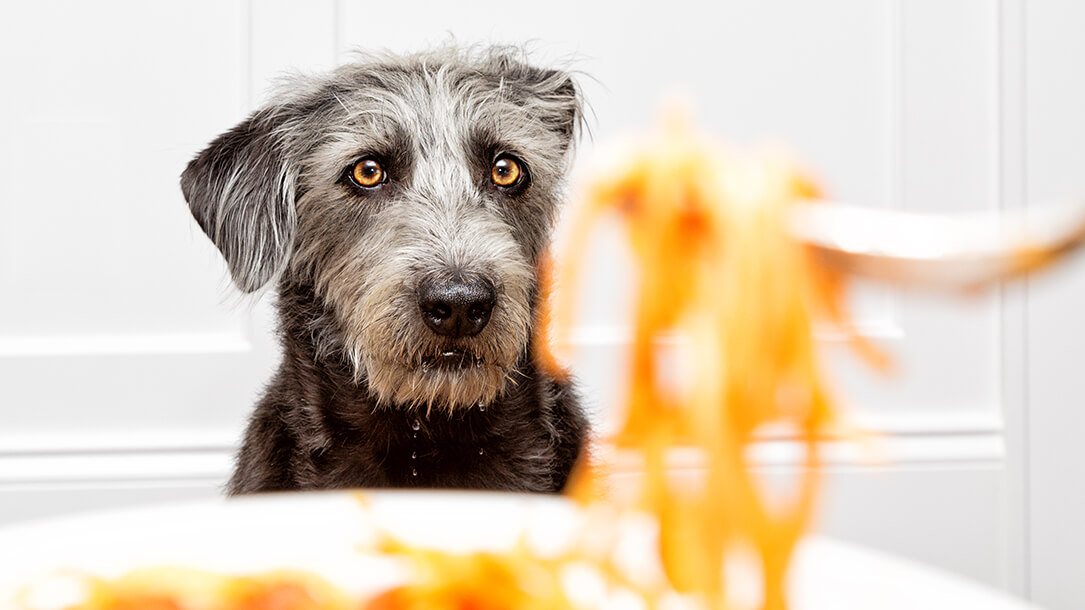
(414, 195)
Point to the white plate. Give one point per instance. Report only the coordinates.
(322, 532)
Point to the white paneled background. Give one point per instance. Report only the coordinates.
(127, 366)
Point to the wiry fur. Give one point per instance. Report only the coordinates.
(272, 195)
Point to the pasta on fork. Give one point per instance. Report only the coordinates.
(716, 265)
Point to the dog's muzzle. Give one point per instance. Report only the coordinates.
(458, 307)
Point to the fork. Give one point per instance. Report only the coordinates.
(943, 252)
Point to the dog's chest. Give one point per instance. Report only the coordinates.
(437, 455)
(472, 448)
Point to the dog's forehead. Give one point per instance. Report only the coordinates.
(435, 109)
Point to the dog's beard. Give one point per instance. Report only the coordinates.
(405, 364)
(428, 386)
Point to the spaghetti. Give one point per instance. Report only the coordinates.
(708, 234)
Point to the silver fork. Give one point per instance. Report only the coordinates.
(946, 252)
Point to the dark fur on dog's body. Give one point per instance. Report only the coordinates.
(315, 428)
(371, 391)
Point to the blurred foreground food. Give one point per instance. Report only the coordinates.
(716, 266)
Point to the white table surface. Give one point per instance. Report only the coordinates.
(322, 532)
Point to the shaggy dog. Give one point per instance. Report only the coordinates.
(401, 205)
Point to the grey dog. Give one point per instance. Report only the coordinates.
(401, 204)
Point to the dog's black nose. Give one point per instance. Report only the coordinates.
(456, 308)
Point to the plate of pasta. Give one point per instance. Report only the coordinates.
(407, 550)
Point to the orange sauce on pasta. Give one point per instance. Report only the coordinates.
(715, 264)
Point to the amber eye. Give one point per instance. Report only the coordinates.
(506, 172)
(367, 173)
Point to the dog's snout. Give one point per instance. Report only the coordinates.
(457, 308)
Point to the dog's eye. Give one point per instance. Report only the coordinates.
(506, 172)
(368, 173)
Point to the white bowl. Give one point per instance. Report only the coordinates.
(325, 532)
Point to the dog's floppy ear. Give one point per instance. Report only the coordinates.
(570, 106)
(562, 106)
(552, 95)
(241, 191)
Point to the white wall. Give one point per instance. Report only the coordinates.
(126, 368)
